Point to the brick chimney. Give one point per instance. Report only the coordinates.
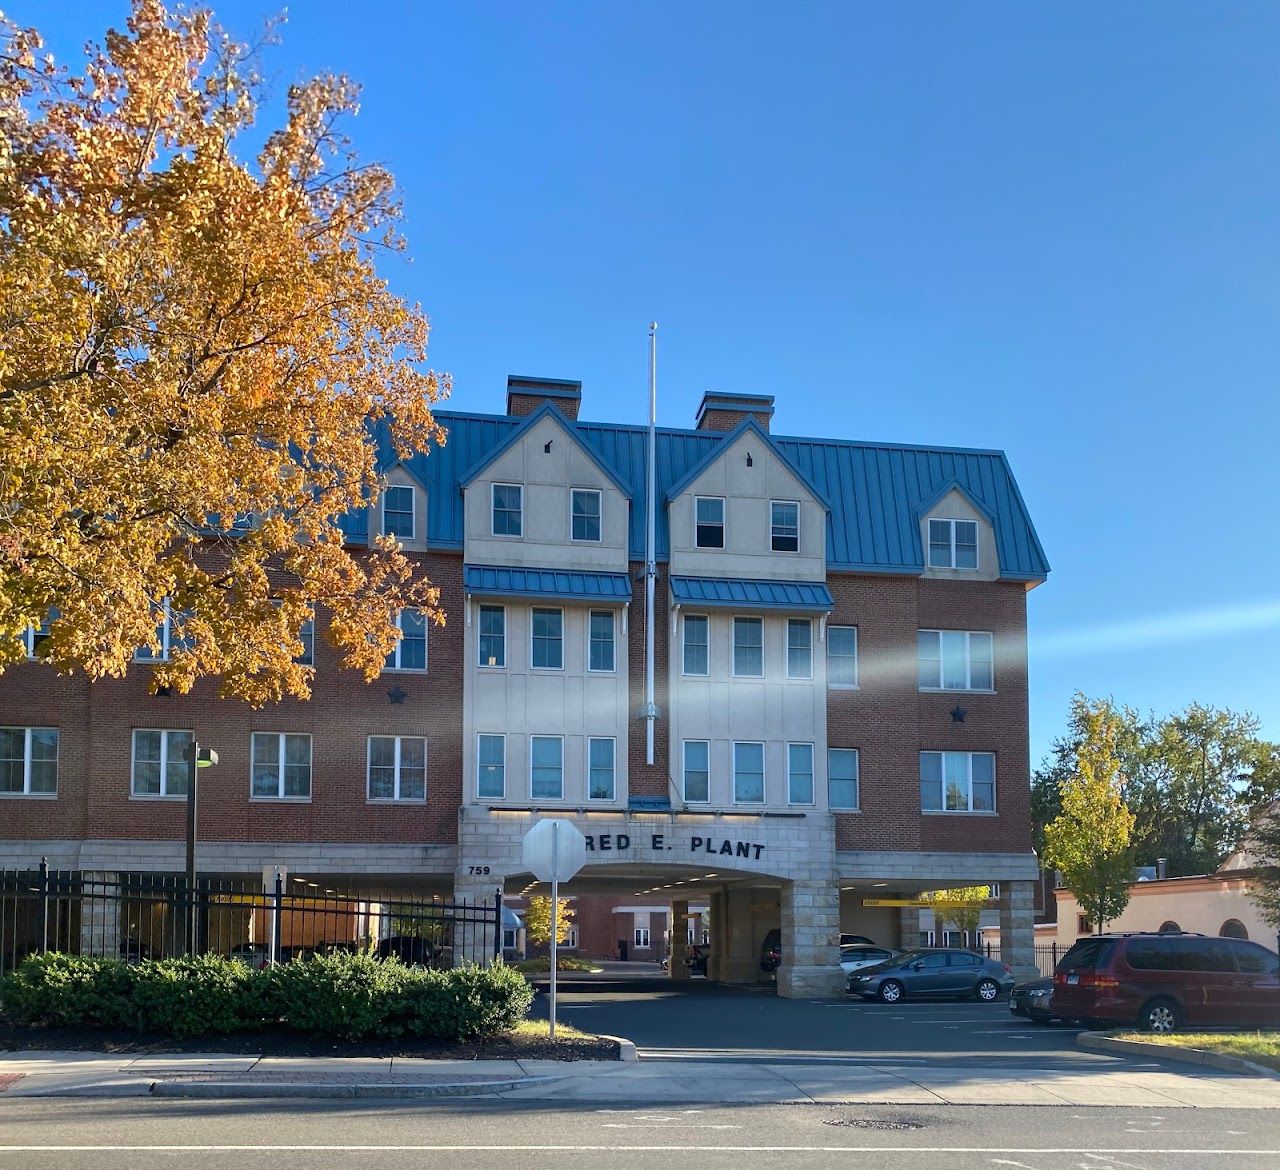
(525, 395)
(723, 412)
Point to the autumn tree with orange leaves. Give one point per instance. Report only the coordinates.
(195, 348)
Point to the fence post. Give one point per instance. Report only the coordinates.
(44, 905)
(277, 904)
(497, 925)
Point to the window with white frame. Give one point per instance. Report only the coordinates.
(507, 509)
(748, 647)
(411, 651)
(307, 636)
(397, 511)
(697, 659)
(842, 778)
(281, 766)
(957, 781)
(842, 656)
(546, 767)
(570, 939)
(799, 773)
(955, 938)
(491, 766)
(784, 526)
(160, 762)
(642, 938)
(585, 515)
(508, 938)
(547, 633)
(955, 660)
(34, 637)
(953, 544)
(397, 767)
(167, 638)
(600, 642)
(600, 769)
(697, 771)
(748, 773)
(799, 648)
(493, 635)
(709, 521)
(28, 761)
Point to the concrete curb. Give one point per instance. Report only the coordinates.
(1177, 1055)
(626, 1048)
(231, 1089)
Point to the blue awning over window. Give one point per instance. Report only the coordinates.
(568, 585)
(738, 593)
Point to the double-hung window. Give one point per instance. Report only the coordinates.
(584, 519)
(307, 636)
(842, 656)
(748, 647)
(166, 639)
(696, 645)
(955, 660)
(493, 635)
(784, 526)
(600, 769)
(160, 762)
(642, 938)
(547, 650)
(397, 511)
(546, 767)
(799, 648)
(953, 544)
(34, 637)
(957, 781)
(491, 766)
(507, 509)
(709, 521)
(411, 651)
(28, 761)
(397, 767)
(748, 773)
(842, 778)
(600, 647)
(281, 766)
(697, 771)
(799, 773)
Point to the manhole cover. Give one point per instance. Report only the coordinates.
(872, 1123)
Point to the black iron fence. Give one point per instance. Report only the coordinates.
(1047, 955)
(152, 916)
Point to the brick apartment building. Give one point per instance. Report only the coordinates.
(839, 678)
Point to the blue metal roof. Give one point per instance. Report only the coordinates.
(876, 491)
(738, 593)
(570, 585)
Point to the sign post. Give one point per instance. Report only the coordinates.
(554, 850)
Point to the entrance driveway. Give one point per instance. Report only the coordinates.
(688, 1018)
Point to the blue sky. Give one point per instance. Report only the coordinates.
(1052, 229)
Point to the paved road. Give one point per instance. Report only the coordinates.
(159, 1135)
(699, 1018)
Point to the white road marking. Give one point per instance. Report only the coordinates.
(614, 1149)
(676, 1125)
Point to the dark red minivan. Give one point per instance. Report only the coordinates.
(1162, 982)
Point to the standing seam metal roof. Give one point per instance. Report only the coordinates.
(877, 492)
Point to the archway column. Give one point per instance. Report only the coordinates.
(1017, 928)
(810, 940)
(677, 968)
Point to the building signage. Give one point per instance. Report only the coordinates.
(927, 903)
(715, 846)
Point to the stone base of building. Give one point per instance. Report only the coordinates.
(810, 982)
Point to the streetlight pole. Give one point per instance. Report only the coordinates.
(196, 759)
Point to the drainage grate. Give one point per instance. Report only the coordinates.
(872, 1123)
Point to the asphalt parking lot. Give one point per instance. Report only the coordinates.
(700, 1018)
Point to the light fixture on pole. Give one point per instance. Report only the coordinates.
(197, 758)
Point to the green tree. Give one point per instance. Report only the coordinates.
(537, 919)
(1263, 850)
(964, 917)
(1090, 839)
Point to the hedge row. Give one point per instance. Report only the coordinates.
(353, 997)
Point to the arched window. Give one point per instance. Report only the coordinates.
(1233, 928)
(1168, 926)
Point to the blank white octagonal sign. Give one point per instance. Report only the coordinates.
(554, 850)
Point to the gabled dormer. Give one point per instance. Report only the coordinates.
(401, 508)
(746, 511)
(957, 536)
(543, 498)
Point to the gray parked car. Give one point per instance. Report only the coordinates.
(933, 972)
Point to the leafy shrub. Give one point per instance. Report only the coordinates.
(353, 997)
(563, 963)
(196, 996)
(468, 1003)
(67, 991)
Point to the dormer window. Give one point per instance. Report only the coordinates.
(585, 518)
(508, 509)
(953, 544)
(784, 525)
(397, 512)
(709, 521)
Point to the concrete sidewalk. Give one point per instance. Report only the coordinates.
(28, 1074)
